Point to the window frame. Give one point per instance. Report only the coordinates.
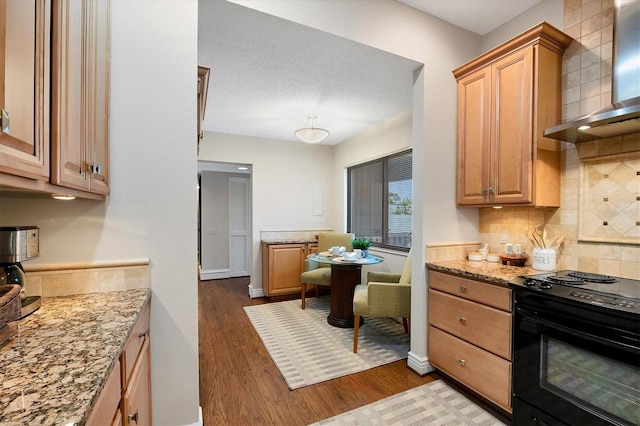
(384, 160)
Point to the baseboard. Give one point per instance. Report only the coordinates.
(255, 292)
(213, 274)
(199, 422)
(419, 364)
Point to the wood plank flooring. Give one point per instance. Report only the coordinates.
(240, 384)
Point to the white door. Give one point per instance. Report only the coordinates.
(239, 227)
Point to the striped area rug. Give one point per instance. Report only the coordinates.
(433, 404)
(307, 350)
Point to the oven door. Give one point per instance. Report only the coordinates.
(577, 371)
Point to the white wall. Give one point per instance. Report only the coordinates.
(551, 11)
(152, 210)
(283, 177)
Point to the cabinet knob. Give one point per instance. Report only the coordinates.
(491, 190)
(463, 289)
(133, 417)
(462, 320)
(462, 362)
(484, 191)
(143, 334)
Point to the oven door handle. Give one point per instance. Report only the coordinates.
(534, 315)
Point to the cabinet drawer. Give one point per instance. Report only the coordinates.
(488, 294)
(485, 373)
(139, 335)
(481, 325)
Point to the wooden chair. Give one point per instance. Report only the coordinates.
(316, 274)
(386, 294)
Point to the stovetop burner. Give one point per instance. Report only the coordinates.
(566, 280)
(594, 278)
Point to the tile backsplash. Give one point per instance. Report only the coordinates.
(586, 87)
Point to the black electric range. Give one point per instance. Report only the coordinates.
(622, 294)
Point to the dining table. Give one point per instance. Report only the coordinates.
(345, 276)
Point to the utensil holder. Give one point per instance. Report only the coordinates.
(544, 259)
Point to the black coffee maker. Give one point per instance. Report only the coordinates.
(17, 244)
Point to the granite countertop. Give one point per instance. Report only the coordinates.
(495, 273)
(53, 371)
(290, 241)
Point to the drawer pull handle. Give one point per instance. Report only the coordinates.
(463, 289)
(462, 320)
(462, 362)
(133, 417)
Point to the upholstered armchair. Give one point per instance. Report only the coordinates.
(316, 274)
(386, 294)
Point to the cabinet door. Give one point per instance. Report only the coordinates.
(136, 401)
(474, 108)
(286, 263)
(511, 129)
(80, 94)
(98, 142)
(24, 87)
(69, 156)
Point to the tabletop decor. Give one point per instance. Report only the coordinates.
(362, 244)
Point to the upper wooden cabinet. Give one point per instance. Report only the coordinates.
(54, 96)
(24, 87)
(506, 98)
(80, 95)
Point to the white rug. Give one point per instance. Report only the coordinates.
(433, 404)
(307, 350)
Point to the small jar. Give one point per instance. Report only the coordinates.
(508, 249)
(517, 250)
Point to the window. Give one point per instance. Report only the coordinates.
(379, 201)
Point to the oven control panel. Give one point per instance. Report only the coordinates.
(605, 300)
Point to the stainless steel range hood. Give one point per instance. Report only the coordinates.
(623, 115)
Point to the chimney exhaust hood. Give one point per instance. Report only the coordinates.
(623, 115)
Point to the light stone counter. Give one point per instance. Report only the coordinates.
(495, 273)
(53, 372)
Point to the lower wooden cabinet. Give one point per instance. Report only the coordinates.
(282, 265)
(469, 334)
(136, 400)
(108, 401)
(126, 397)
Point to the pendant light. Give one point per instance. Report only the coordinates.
(312, 134)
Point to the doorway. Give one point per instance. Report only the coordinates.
(224, 220)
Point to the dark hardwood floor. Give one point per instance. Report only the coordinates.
(240, 384)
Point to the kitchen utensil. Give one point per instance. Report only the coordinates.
(532, 240)
(541, 232)
(557, 243)
(537, 239)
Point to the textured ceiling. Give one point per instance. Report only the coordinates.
(268, 74)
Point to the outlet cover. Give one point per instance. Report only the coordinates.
(504, 237)
(212, 231)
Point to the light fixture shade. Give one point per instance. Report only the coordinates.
(312, 134)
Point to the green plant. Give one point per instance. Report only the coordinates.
(361, 243)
